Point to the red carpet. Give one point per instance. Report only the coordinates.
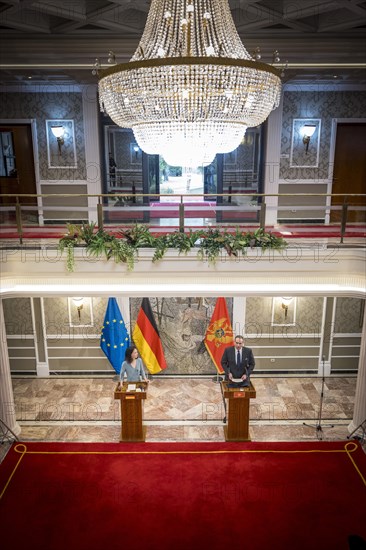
(194, 209)
(173, 496)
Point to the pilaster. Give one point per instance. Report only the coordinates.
(7, 405)
(272, 166)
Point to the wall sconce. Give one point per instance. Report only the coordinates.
(58, 132)
(285, 304)
(307, 131)
(79, 305)
(136, 149)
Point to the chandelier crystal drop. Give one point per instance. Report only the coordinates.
(191, 89)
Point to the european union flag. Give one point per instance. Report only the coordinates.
(114, 339)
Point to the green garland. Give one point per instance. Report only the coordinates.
(123, 247)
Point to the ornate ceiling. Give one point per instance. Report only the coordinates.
(49, 41)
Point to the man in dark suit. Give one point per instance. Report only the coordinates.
(238, 363)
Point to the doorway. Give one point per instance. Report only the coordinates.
(17, 172)
(349, 172)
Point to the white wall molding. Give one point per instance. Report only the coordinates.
(294, 271)
(59, 182)
(323, 87)
(53, 88)
(304, 181)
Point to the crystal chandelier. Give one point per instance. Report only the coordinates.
(191, 89)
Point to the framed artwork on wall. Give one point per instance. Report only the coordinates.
(61, 147)
(305, 143)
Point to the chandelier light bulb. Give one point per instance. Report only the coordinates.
(191, 63)
(276, 57)
(111, 57)
(257, 54)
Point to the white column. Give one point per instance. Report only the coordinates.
(92, 150)
(239, 307)
(272, 166)
(40, 341)
(7, 405)
(124, 306)
(359, 412)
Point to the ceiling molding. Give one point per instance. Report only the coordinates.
(44, 35)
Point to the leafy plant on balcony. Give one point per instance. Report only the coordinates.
(77, 235)
(123, 247)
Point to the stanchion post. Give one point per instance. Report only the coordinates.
(100, 213)
(262, 215)
(181, 216)
(344, 219)
(18, 216)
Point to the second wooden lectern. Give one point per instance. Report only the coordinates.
(131, 410)
(237, 428)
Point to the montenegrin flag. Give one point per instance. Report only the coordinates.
(114, 339)
(219, 334)
(147, 339)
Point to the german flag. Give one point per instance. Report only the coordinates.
(147, 339)
(219, 334)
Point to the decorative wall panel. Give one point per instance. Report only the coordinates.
(309, 312)
(349, 315)
(320, 105)
(18, 316)
(43, 106)
(58, 322)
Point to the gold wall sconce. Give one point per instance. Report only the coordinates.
(59, 132)
(79, 304)
(307, 131)
(136, 150)
(286, 301)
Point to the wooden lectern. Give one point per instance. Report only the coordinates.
(131, 410)
(237, 428)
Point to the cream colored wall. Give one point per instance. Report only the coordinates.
(276, 348)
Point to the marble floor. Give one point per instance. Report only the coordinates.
(83, 409)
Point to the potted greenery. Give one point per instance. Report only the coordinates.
(123, 247)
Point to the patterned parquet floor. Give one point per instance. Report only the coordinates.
(83, 409)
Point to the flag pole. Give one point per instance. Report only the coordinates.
(223, 399)
(217, 379)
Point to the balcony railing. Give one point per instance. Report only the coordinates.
(331, 215)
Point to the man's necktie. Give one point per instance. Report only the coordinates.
(238, 359)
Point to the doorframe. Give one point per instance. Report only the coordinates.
(33, 124)
(332, 148)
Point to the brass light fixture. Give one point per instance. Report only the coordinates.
(79, 305)
(285, 304)
(59, 132)
(191, 89)
(307, 131)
